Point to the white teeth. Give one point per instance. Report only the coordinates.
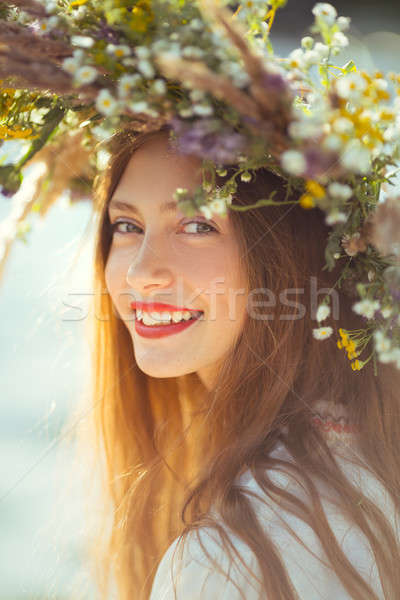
(156, 318)
(177, 316)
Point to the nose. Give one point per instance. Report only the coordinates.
(149, 269)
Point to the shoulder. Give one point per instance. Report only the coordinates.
(201, 569)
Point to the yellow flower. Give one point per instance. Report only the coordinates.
(78, 2)
(315, 189)
(357, 365)
(306, 201)
(351, 346)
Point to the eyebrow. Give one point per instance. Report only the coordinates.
(166, 207)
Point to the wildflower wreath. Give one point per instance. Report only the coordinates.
(75, 72)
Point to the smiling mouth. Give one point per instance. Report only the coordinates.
(179, 318)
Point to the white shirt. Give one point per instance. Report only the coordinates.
(312, 579)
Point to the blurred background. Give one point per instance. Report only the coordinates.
(44, 355)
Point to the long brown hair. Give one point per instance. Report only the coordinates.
(171, 449)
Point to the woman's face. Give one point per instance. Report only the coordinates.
(163, 256)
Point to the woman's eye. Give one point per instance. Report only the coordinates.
(114, 227)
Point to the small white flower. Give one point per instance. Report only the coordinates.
(340, 190)
(48, 24)
(146, 68)
(296, 58)
(322, 50)
(100, 133)
(343, 125)
(340, 40)
(306, 128)
(142, 52)
(293, 162)
(106, 103)
(311, 57)
(386, 312)
(356, 157)
(332, 142)
(246, 176)
(335, 216)
(307, 42)
(139, 106)
(85, 75)
(71, 64)
(185, 112)
(203, 109)
(385, 357)
(382, 343)
(366, 307)
(192, 52)
(196, 24)
(129, 61)
(51, 6)
(206, 211)
(218, 206)
(197, 95)
(126, 83)
(321, 333)
(350, 86)
(158, 87)
(343, 23)
(325, 12)
(323, 312)
(82, 40)
(118, 51)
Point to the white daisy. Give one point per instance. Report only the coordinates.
(323, 312)
(356, 157)
(386, 312)
(322, 50)
(366, 307)
(85, 75)
(325, 12)
(71, 64)
(118, 51)
(203, 109)
(146, 68)
(351, 86)
(158, 87)
(139, 106)
(340, 40)
(126, 83)
(206, 211)
(46, 25)
(321, 333)
(218, 206)
(336, 216)
(293, 162)
(382, 343)
(307, 42)
(340, 190)
(106, 103)
(343, 23)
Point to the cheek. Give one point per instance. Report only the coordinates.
(114, 276)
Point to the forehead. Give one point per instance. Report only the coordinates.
(155, 170)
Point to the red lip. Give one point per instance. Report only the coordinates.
(157, 307)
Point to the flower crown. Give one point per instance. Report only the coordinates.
(75, 73)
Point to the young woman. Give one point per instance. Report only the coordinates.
(244, 458)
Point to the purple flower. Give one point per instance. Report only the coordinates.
(107, 33)
(202, 138)
(274, 82)
(6, 193)
(318, 162)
